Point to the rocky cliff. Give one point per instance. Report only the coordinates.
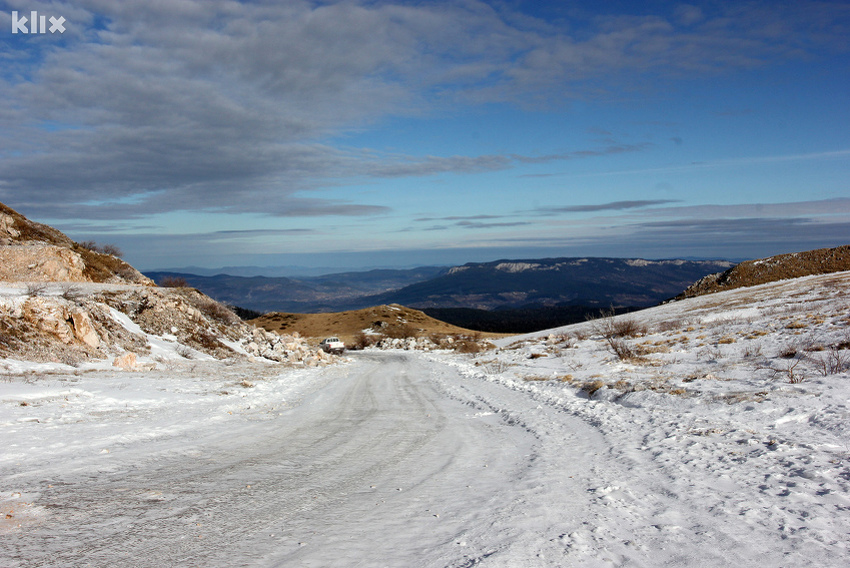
(32, 252)
(61, 302)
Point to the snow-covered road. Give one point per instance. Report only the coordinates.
(381, 466)
(394, 459)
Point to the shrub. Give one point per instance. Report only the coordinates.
(620, 348)
(609, 326)
(363, 340)
(71, 292)
(36, 289)
(218, 312)
(400, 331)
(627, 327)
(247, 314)
(833, 362)
(111, 249)
(788, 352)
(590, 387)
(464, 344)
(102, 249)
(173, 282)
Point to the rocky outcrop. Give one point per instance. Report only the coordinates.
(32, 252)
(43, 317)
(121, 323)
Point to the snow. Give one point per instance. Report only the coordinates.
(514, 267)
(724, 440)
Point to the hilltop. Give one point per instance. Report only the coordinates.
(772, 269)
(391, 321)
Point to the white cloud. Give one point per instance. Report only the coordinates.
(228, 105)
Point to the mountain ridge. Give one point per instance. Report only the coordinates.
(498, 284)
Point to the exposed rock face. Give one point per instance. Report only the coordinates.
(7, 227)
(126, 361)
(70, 324)
(50, 327)
(32, 252)
(41, 263)
(84, 329)
(771, 269)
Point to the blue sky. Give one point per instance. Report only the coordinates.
(368, 133)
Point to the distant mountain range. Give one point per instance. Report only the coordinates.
(498, 285)
(314, 294)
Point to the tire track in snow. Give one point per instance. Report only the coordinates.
(377, 468)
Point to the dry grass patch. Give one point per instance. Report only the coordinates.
(590, 387)
(539, 378)
(649, 348)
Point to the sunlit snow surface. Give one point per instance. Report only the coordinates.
(724, 441)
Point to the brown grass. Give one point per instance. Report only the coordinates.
(590, 387)
(396, 320)
(780, 267)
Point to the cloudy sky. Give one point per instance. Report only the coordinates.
(375, 133)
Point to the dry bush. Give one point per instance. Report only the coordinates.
(102, 249)
(173, 282)
(184, 351)
(437, 338)
(217, 312)
(400, 331)
(363, 340)
(710, 354)
(36, 289)
(464, 344)
(111, 249)
(833, 362)
(607, 325)
(789, 371)
(788, 352)
(614, 330)
(207, 340)
(590, 387)
(580, 334)
(627, 327)
(751, 350)
(670, 325)
(467, 346)
(620, 348)
(494, 367)
(71, 292)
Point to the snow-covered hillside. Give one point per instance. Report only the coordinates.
(711, 432)
(733, 406)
